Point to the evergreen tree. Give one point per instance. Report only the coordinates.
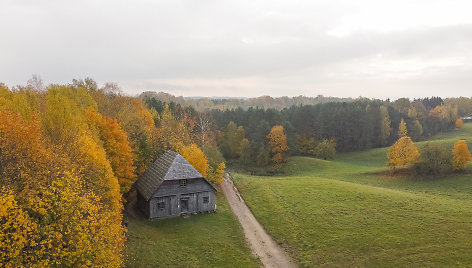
(385, 128)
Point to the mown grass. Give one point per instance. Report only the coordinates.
(205, 240)
(347, 213)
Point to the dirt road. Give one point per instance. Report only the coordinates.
(261, 244)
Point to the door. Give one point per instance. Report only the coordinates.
(183, 205)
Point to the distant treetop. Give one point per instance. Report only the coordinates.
(222, 103)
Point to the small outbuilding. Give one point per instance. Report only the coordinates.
(171, 186)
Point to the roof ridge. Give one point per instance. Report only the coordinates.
(171, 164)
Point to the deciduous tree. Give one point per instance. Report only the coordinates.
(195, 156)
(402, 154)
(17, 232)
(461, 155)
(115, 142)
(434, 160)
(232, 137)
(56, 202)
(307, 144)
(246, 151)
(416, 130)
(263, 155)
(216, 164)
(278, 143)
(402, 130)
(326, 149)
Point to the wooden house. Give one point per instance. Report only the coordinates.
(171, 186)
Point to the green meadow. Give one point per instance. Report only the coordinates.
(204, 240)
(350, 213)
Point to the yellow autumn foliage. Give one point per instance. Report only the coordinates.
(195, 156)
(216, 175)
(117, 148)
(17, 232)
(54, 202)
(402, 153)
(461, 155)
(219, 172)
(278, 143)
(402, 130)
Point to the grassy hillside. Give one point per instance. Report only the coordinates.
(206, 240)
(346, 213)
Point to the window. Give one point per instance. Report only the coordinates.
(206, 199)
(183, 183)
(161, 205)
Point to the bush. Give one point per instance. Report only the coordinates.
(434, 160)
(326, 149)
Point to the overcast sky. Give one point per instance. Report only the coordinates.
(367, 48)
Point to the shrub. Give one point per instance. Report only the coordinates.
(434, 160)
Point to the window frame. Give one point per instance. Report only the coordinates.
(183, 182)
(206, 200)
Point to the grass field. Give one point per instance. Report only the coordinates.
(206, 240)
(346, 213)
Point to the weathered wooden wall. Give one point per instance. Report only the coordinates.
(172, 195)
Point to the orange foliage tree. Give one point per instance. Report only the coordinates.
(59, 218)
(402, 154)
(116, 145)
(135, 120)
(459, 123)
(278, 143)
(461, 155)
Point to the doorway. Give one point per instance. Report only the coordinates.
(183, 205)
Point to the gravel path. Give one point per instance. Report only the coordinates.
(261, 244)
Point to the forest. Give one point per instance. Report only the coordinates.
(323, 129)
(71, 153)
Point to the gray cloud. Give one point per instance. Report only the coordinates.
(240, 48)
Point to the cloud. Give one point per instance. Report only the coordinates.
(243, 48)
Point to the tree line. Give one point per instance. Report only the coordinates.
(319, 130)
(263, 102)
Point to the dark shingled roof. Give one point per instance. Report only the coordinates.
(170, 166)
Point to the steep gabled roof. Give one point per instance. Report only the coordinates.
(170, 166)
